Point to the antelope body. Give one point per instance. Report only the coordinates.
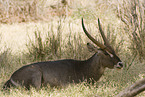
(63, 72)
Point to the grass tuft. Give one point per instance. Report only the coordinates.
(25, 38)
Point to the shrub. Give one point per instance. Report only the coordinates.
(131, 13)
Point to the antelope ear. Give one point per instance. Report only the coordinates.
(92, 48)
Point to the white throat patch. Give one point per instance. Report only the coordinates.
(110, 54)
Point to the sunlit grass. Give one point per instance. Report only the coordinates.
(108, 86)
(73, 41)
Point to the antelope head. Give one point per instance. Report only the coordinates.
(106, 51)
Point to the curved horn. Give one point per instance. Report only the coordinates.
(107, 47)
(106, 42)
(91, 38)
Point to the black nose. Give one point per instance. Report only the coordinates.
(121, 64)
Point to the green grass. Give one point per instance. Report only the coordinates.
(63, 37)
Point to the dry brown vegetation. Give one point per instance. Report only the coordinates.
(41, 30)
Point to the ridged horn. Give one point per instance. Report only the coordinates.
(91, 38)
(106, 46)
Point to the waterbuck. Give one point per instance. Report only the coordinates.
(63, 72)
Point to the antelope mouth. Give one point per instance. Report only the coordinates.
(119, 65)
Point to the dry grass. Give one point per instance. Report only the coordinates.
(18, 39)
(109, 85)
